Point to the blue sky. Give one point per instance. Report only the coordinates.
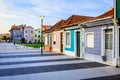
(28, 11)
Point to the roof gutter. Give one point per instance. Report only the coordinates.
(103, 21)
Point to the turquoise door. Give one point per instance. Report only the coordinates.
(78, 43)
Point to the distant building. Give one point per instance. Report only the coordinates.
(37, 33)
(15, 34)
(5, 37)
(22, 31)
(29, 34)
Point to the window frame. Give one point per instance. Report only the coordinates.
(86, 45)
(68, 46)
(109, 33)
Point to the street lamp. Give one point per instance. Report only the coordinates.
(41, 17)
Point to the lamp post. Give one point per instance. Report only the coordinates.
(41, 17)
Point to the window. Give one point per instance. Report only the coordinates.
(108, 39)
(26, 36)
(46, 40)
(90, 40)
(31, 31)
(26, 31)
(38, 36)
(17, 36)
(35, 35)
(67, 38)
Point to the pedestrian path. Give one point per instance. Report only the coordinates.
(31, 65)
(10, 47)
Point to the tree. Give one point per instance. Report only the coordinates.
(23, 40)
(5, 38)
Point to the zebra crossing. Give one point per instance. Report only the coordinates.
(30, 64)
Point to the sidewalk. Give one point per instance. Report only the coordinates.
(31, 65)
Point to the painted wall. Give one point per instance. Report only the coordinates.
(49, 41)
(72, 42)
(15, 35)
(57, 45)
(36, 34)
(97, 40)
(71, 51)
(29, 34)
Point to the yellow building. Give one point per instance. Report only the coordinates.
(5, 37)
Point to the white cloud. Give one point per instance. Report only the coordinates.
(53, 10)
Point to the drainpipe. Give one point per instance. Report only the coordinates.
(82, 36)
(116, 43)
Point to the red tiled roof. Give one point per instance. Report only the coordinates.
(109, 13)
(14, 27)
(77, 19)
(58, 24)
(45, 27)
(48, 30)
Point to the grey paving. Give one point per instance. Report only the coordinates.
(39, 61)
(28, 64)
(41, 69)
(30, 55)
(115, 77)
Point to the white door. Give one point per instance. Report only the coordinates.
(108, 44)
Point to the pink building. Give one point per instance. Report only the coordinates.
(54, 38)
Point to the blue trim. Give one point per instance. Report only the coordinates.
(71, 41)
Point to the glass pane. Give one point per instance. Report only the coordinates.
(108, 39)
(67, 38)
(90, 40)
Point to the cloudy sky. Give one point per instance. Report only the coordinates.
(28, 11)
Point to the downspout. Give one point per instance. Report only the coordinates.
(82, 36)
(116, 43)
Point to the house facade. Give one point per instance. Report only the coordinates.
(99, 39)
(57, 35)
(57, 44)
(29, 34)
(37, 34)
(73, 35)
(22, 31)
(48, 40)
(5, 37)
(91, 38)
(15, 34)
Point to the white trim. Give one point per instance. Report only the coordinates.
(65, 39)
(103, 41)
(70, 53)
(93, 57)
(83, 42)
(116, 60)
(118, 54)
(72, 27)
(96, 20)
(86, 39)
